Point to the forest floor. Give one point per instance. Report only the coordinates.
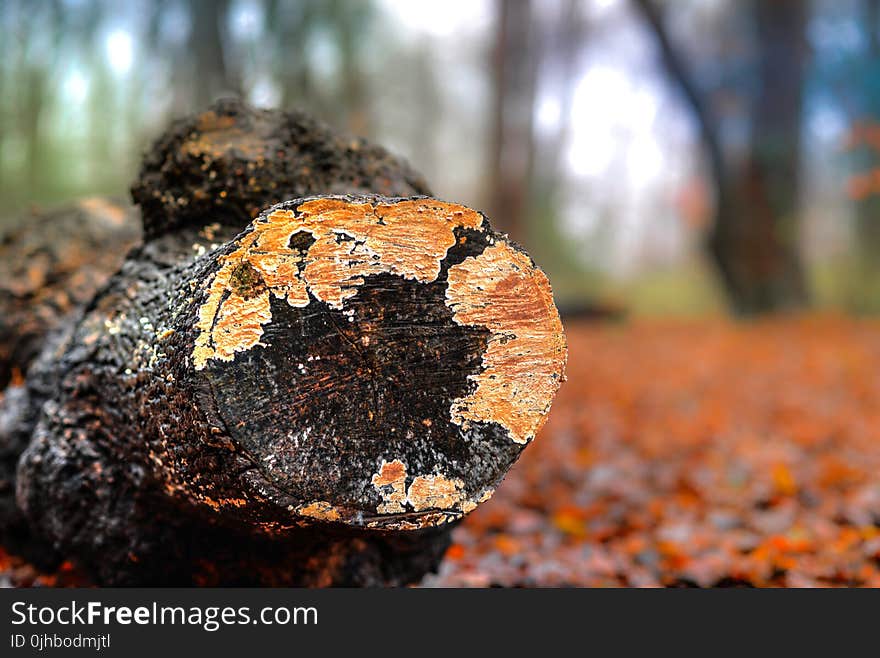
(683, 453)
(694, 453)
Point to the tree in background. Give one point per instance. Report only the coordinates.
(537, 55)
(212, 74)
(514, 66)
(754, 241)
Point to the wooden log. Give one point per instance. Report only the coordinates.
(52, 262)
(192, 178)
(314, 401)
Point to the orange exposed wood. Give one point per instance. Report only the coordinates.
(503, 291)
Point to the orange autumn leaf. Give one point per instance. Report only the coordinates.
(783, 480)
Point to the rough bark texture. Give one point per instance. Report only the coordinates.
(314, 401)
(51, 265)
(232, 162)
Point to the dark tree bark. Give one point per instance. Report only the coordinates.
(232, 162)
(314, 401)
(755, 236)
(761, 250)
(514, 67)
(51, 265)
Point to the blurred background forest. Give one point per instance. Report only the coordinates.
(678, 157)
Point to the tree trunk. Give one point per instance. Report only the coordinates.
(755, 237)
(51, 266)
(350, 21)
(314, 401)
(213, 76)
(514, 68)
(758, 248)
(294, 72)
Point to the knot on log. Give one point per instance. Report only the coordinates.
(233, 161)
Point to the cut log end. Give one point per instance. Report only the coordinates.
(382, 362)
